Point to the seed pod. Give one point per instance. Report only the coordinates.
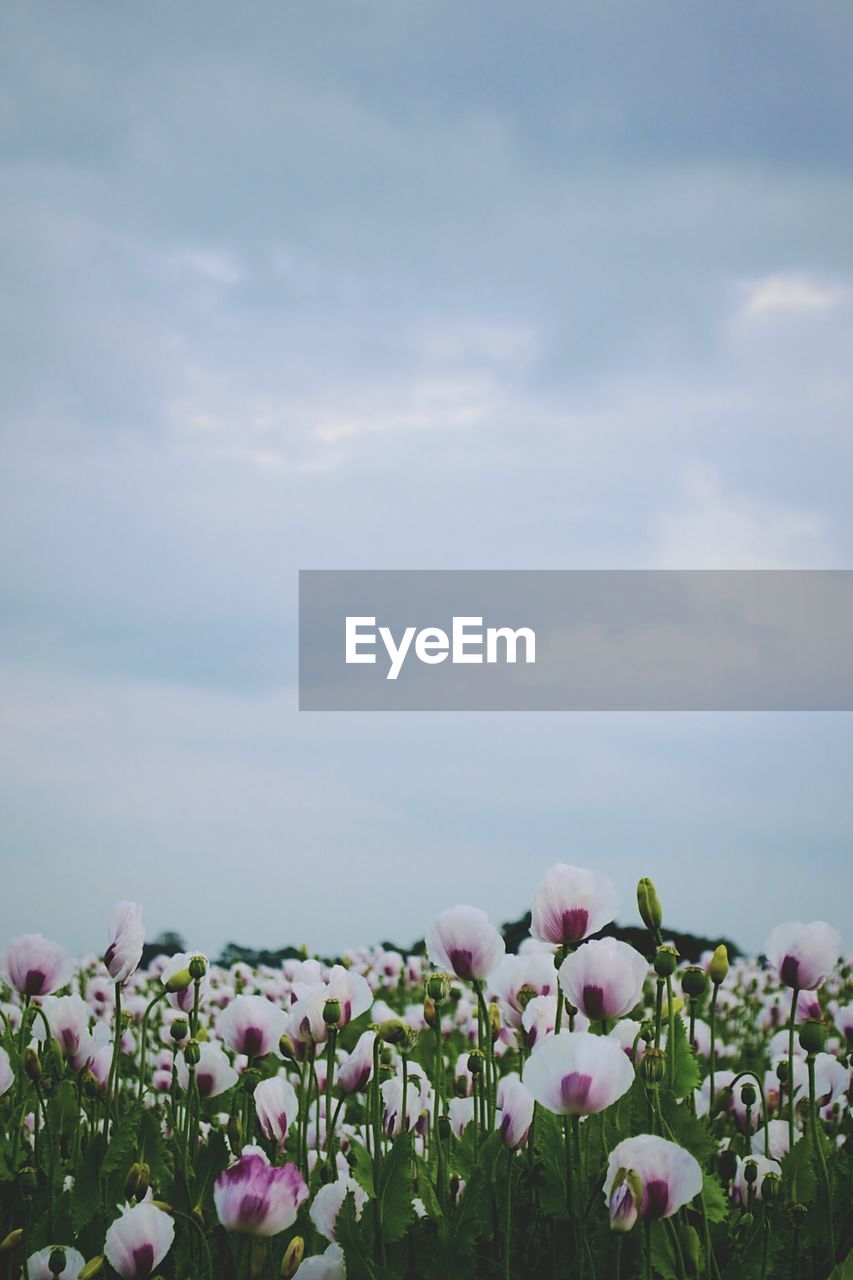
(812, 1036)
(197, 967)
(192, 1053)
(179, 1029)
(666, 961)
(438, 987)
(653, 1066)
(748, 1095)
(332, 1012)
(56, 1261)
(694, 982)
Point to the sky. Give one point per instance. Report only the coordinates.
(406, 285)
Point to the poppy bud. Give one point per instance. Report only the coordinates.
(694, 982)
(293, 1255)
(235, 1132)
(475, 1062)
(782, 1070)
(460, 1086)
(332, 1012)
(198, 1214)
(748, 1096)
(12, 1240)
(719, 966)
(812, 1036)
(494, 1020)
(163, 1206)
(666, 961)
(723, 1100)
(56, 1261)
(798, 1213)
(430, 1013)
(392, 1031)
(689, 1241)
(32, 1065)
(192, 1053)
(649, 905)
(179, 1029)
(438, 987)
(134, 1181)
(444, 1129)
(770, 1187)
(653, 1066)
(178, 981)
(250, 1079)
(93, 1268)
(197, 967)
(286, 1049)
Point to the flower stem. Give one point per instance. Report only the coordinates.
(821, 1158)
(791, 1025)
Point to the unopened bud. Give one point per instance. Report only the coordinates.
(649, 905)
(666, 961)
(694, 982)
(163, 1206)
(798, 1213)
(689, 1241)
(32, 1064)
(770, 1187)
(136, 1182)
(235, 1132)
(178, 981)
(782, 1070)
(653, 1065)
(197, 967)
(198, 1214)
(332, 1012)
(723, 1100)
(12, 1240)
(430, 1012)
(286, 1049)
(192, 1053)
(93, 1268)
(494, 1020)
(812, 1036)
(293, 1255)
(392, 1031)
(444, 1128)
(56, 1260)
(727, 1164)
(719, 967)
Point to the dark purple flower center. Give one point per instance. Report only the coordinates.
(655, 1199)
(253, 1210)
(253, 1039)
(593, 1001)
(204, 1081)
(109, 954)
(34, 982)
(462, 963)
(574, 1090)
(574, 924)
(788, 972)
(143, 1260)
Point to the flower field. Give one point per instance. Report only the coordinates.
(578, 1109)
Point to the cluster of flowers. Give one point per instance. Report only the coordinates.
(462, 1113)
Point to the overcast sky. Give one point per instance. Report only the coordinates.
(390, 285)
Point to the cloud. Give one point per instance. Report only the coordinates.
(791, 295)
(710, 528)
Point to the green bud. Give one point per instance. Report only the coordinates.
(179, 1029)
(690, 1247)
(719, 967)
(286, 1049)
(12, 1240)
(178, 981)
(494, 1020)
(444, 1129)
(197, 967)
(666, 961)
(727, 1165)
(812, 1036)
(782, 1070)
(694, 982)
(771, 1185)
(32, 1064)
(93, 1268)
(192, 1053)
(653, 1065)
(132, 1181)
(198, 1214)
(649, 905)
(798, 1213)
(293, 1255)
(392, 1031)
(430, 1012)
(332, 1012)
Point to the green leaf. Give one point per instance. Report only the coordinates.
(425, 1191)
(362, 1167)
(86, 1199)
(396, 1193)
(352, 1235)
(122, 1148)
(689, 1131)
(844, 1270)
(716, 1204)
(473, 1216)
(798, 1175)
(685, 1066)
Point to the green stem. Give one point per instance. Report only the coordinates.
(508, 1220)
(143, 1054)
(712, 1019)
(113, 1078)
(821, 1158)
(792, 1022)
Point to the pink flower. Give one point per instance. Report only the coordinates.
(329, 1201)
(38, 1264)
(127, 938)
(570, 904)
(576, 1073)
(515, 1112)
(803, 954)
(252, 1025)
(660, 1175)
(257, 1198)
(35, 966)
(68, 1019)
(214, 1074)
(277, 1107)
(324, 1266)
(604, 978)
(520, 978)
(7, 1075)
(139, 1240)
(464, 940)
